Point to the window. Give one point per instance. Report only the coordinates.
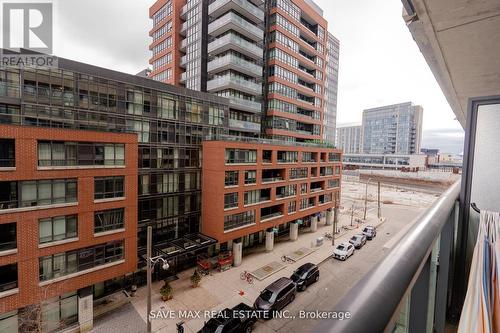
(57, 228)
(333, 157)
(333, 183)
(108, 187)
(292, 207)
(8, 277)
(296, 173)
(61, 264)
(60, 153)
(59, 312)
(7, 153)
(308, 156)
(8, 239)
(287, 156)
(109, 220)
(231, 178)
(230, 200)
(241, 156)
(286, 191)
(250, 177)
(303, 188)
(266, 156)
(252, 197)
(239, 220)
(47, 192)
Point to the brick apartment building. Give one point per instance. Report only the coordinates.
(269, 59)
(89, 158)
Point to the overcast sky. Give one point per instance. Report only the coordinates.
(379, 61)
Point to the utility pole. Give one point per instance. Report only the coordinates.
(379, 210)
(335, 218)
(366, 197)
(148, 262)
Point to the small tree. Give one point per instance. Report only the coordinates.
(195, 278)
(166, 291)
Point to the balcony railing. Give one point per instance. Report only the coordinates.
(271, 216)
(232, 41)
(400, 283)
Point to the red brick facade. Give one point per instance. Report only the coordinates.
(28, 250)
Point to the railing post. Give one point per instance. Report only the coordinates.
(419, 300)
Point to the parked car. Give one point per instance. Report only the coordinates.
(275, 297)
(370, 232)
(305, 275)
(358, 240)
(228, 321)
(343, 251)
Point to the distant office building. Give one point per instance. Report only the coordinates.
(392, 129)
(430, 151)
(349, 139)
(331, 87)
(385, 161)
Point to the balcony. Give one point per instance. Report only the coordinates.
(231, 61)
(184, 12)
(184, 61)
(183, 45)
(405, 276)
(231, 21)
(244, 104)
(184, 27)
(183, 77)
(245, 126)
(234, 42)
(269, 213)
(219, 7)
(234, 82)
(273, 175)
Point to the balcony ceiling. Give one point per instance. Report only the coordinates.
(460, 40)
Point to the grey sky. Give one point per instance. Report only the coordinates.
(379, 61)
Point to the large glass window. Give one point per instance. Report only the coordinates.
(8, 236)
(231, 178)
(57, 228)
(230, 200)
(109, 220)
(250, 177)
(7, 153)
(241, 155)
(59, 312)
(61, 264)
(8, 277)
(287, 156)
(47, 192)
(60, 153)
(108, 187)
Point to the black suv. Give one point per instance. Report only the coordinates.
(275, 297)
(305, 275)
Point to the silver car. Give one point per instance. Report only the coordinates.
(358, 240)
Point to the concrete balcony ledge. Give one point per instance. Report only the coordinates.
(244, 7)
(231, 21)
(234, 42)
(233, 82)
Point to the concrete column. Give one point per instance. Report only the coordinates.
(269, 240)
(85, 309)
(314, 223)
(294, 231)
(237, 253)
(323, 217)
(329, 217)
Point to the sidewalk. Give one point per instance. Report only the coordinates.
(226, 289)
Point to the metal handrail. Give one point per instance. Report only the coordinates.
(373, 301)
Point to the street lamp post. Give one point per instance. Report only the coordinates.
(151, 262)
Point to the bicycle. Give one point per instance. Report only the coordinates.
(286, 259)
(328, 235)
(246, 275)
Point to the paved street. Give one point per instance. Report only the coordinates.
(226, 289)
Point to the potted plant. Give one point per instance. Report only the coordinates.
(195, 278)
(166, 291)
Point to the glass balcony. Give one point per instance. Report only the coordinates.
(246, 126)
(231, 21)
(243, 7)
(231, 61)
(244, 104)
(233, 82)
(233, 42)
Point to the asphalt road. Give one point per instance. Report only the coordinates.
(337, 277)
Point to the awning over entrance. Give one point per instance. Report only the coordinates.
(174, 248)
